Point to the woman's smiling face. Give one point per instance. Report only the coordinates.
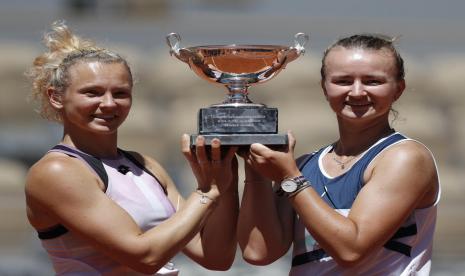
(98, 98)
(361, 83)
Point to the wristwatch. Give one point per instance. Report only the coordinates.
(291, 186)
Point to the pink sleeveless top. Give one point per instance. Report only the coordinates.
(133, 189)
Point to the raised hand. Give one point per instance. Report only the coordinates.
(211, 169)
(273, 164)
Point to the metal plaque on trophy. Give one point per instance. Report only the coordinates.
(237, 120)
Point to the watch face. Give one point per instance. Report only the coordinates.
(288, 186)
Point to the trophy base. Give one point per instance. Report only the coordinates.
(240, 125)
(244, 139)
(238, 120)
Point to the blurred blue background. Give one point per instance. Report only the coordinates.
(168, 94)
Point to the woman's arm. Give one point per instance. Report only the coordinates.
(265, 228)
(265, 225)
(70, 194)
(402, 178)
(214, 247)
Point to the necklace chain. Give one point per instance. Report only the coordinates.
(343, 164)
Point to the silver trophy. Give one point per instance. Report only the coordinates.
(237, 120)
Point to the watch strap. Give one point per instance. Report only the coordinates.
(301, 188)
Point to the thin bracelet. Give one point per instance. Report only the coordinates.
(255, 181)
(204, 197)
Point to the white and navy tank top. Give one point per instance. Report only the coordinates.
(135, 189)
(408, 252)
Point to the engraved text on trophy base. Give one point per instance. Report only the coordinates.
(224, 120)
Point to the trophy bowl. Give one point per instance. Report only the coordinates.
(237, 120)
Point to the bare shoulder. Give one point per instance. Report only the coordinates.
(410, 162)
(57, 174)
(409, 153)
(53, 180)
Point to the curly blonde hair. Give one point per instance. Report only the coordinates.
(51, 69)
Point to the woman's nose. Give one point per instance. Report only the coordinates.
(357, 89)
(107, 99)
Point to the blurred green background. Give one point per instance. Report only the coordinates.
(168, 95)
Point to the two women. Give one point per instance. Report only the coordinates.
(362, 205)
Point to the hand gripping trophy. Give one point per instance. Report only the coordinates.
(238, 121)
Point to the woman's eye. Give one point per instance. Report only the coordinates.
(373, 82)
(91, 93)
(121, 94)
(342, 82)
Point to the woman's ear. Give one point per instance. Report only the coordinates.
(54, 98)
(400, 89)
(322, 83)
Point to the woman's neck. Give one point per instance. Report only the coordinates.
(104, 146)
(355, 139)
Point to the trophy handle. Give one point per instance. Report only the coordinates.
(284, 57)
(186, 55)
(174, 42)
(300, 39)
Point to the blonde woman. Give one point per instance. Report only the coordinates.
(101, 210)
